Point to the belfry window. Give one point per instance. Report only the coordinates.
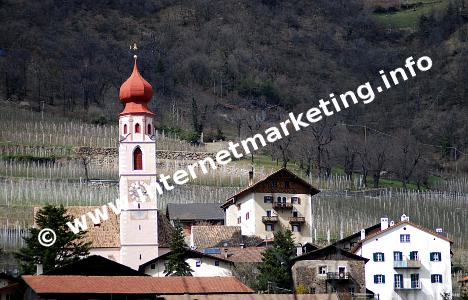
(149, 129)
(125, 129)
(137, 128)
(137, 159)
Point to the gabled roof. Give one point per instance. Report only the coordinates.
(194, 211)
(369, 230)
(231, 200)
(242, 255)
(219, 235)
(177, 285)
(95, 265)
(189, 254)
(319, 254)
(358, 245)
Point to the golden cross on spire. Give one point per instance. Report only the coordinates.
(134, 47)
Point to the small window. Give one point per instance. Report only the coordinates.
(268, 199)
(217, 263)
(139, 227)
(269, 227)
(414, 255)
(137, 159)
(398, 281)
(198, 263)
(405, 238)
(322, 270)
(274, 183)
(137, 128)
(379, 279)
(239, 220)
(125, 129)
(397, 256)
(153, 266)
(286, 184)
(296, 228)
(295, 200)
(284, 199)
(436, 278)
(247, 216)
(268, 213)
(294, 214)
(352, 290)
(278, 199)
(415, 281)
(379, 256)
(148, 130)
(435, 256)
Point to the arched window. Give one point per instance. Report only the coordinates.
(149, 129)
(125, 129)
(137, 159)
(137, 128)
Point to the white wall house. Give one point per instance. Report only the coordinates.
(203, 265)
(406, 261)
(280, 201)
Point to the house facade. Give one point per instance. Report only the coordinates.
(330, 270)
(280, 201)
(406, 261)
(202, 265)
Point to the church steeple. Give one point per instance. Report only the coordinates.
(136, 92)
(137, 171)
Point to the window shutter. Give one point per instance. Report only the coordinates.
(432, 278)
(440, 256)
(440, 278)
(375, 278)
(383, 278)
(383, 257)
(375, 256)
(431, 257)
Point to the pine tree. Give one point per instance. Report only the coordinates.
(176, 264)
(275, 269)
(68, 247)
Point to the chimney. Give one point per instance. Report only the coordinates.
(39, 269)
(383, 223)
(404, 218)
(439, 230)
(251, 175)
(363, 234)
(226, 253)
(392, 223)
(242, 245)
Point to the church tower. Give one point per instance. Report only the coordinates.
(137, 172)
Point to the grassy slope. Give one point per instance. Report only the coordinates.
(408, 18)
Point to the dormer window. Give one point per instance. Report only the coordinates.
(137, 128)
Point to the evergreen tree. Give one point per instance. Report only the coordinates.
(275, 269)
(68, 247)
(176, 264)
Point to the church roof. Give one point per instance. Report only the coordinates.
(136, 92)
(194, 211)
(107, 234)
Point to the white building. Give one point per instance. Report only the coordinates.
(279, 201)
(202, 265)
(406, 261)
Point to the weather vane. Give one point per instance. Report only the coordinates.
(134, 48)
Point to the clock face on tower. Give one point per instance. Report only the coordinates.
(137, 191)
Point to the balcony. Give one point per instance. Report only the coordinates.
(271, 219)
(407, 264)
(338, 276)
(296, 219)
(415, 285)
(283, 205)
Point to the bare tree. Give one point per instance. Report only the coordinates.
(322, 136)
(373, 155)
(406, 156)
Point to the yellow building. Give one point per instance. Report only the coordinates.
(279, 201)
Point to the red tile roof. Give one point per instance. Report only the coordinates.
(44, 284)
